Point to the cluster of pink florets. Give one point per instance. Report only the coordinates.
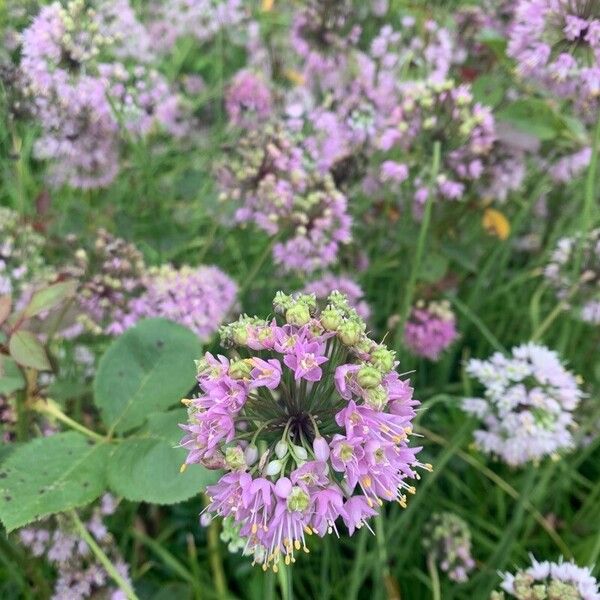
(309, 419)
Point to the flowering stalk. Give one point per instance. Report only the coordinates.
(310, 421)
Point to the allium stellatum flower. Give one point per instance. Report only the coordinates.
(430, 329)
(85, 79)
(309, 419)
(549, 580)
(580, 289)
(200, 298)
(441, 111)
(22, 263)
(527, 410)
(329, 282)
(448, 540)
(248, 100)
(281, 190)
(79, 574)
(557, 43)
(109, 274)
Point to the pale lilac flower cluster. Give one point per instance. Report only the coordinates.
(448, 540)
(109, 275)
(311, 422)
(555, 581)
(200, 298)
(22, 263)
(570, 166)
(329, 282)
(526, 412)
(433, 111)
(73, 61)
(557, 43)
(581, 289)
(281, 191)
(201, 20)
(248, 100)
(79, 574)
(430, 329)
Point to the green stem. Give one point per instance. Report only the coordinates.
(216, 564)
(284, 575)
(590, 182)
(256, 267)
(412, 280)
(51, 409)
(124, 585)
(436, 592)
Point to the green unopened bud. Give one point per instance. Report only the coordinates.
(368, 377)
(376, 397)
(331, 319)
(240, 369)
(298, 500)
(234, 458)
(298, 315)
(383, 359)
(239, 335)
(350, 333)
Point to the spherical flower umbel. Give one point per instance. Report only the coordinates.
(526, 413)
(448, 540)
(199, 298)
(554, 581)
(430, 329)
(581, 289)
(248, 100)
(310, 421)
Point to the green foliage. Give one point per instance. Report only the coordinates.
(11, 378)
(147, 369)
(49, 297)
(49, 475)
(27, 350)
(146, 465)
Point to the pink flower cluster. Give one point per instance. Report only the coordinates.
(279, 191)
(248, 100)
(557, 43)
(81, 98)
(430, 329)
(311, 424)
(200, 298)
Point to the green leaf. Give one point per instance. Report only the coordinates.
(49, 297)
(27, 350)
(494, 41)
(148, 369)
(11, 377)
(146, 466)
(50, 475)
(489, 89)
(532, 116)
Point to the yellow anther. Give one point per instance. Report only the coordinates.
(182, 468)
(287, 559)
(254, 528)
(297, 544)
(412, 489)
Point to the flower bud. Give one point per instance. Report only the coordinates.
(234, 458)
(300, 452)
(383, 359)
(350, 333)
(283, 487)
(240, 369)
(376, 397)
(251, 454)
(368, 377)
(298, 500)
(273, 468)
(321, 448)
(298, 315)
(281, 449)
(331, 319)
(240, 335)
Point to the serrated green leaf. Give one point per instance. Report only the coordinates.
(148, 369)
(27, 350)
(49, 297)
(50, 475)
(11, 377)
(146, 466)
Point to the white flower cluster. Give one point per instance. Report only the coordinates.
(527, 408)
